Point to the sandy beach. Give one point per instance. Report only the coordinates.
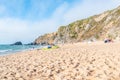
(78, 61)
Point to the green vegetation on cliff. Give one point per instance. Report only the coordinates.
(98, 27)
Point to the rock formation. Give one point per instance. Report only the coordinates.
(97, 27)
(17, 43)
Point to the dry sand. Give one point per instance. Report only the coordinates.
(79, 61)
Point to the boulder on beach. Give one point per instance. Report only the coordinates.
(32, 43)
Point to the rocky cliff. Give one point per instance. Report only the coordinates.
(97, 27)
(46, 39)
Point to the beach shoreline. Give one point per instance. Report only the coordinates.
(78, 61)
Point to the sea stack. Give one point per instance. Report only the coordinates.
(17, 43)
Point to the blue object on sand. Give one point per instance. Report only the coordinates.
(49, 46)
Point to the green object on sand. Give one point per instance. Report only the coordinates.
(53, 47)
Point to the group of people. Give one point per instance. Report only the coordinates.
(108, 40)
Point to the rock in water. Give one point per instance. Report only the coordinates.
(17, 43)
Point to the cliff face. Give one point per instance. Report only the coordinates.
(98, 27)
(45, 39)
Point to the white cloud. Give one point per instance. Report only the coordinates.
(12, 29)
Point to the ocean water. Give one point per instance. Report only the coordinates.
(9, 49)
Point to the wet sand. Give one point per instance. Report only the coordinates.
(78, 61)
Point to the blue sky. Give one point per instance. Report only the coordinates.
(25, 20)
(31, 9)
